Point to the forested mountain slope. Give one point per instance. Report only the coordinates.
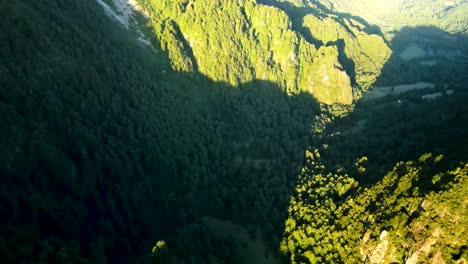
(413, 215)
(242, 40)
(105, 150)
(209, 136)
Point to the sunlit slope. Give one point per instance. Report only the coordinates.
(242, 40)
(415, 214)
(364, 54)
(450, 16)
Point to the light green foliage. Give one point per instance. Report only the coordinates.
(240, 41)
(402, 216)
(325, 78)
(173, 43)
(223, 43)
(364, 54)
(394, 15)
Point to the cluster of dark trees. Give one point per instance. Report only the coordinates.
(105, 151)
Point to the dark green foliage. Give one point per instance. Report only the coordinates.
(446, 50)
(393, 131)
(105, 150)
(194, 243)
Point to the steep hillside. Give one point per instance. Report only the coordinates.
(105, 150)
(239, 41)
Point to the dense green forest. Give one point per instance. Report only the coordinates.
(402, 218)
(333, 59)
(238, 132)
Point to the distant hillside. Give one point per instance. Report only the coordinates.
(448, 15)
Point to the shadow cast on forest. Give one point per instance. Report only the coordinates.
(414, 46)
(128, 151)
(252, 180)
(240, 166)
(382, 144)
(403, 127)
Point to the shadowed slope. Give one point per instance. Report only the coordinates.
(105, 150)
